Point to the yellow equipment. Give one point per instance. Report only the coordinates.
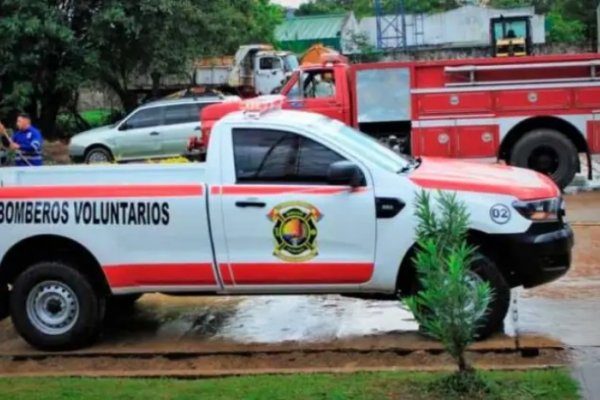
(511, 36)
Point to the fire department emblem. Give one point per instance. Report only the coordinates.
(295, 231)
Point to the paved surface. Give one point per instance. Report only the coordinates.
(587, 371)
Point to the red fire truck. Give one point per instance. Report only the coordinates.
(538, 112)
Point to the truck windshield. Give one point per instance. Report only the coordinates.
(365, 145)
(290, 63)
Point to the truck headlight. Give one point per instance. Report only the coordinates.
(540, 210)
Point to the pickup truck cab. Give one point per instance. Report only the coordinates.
(286, 202)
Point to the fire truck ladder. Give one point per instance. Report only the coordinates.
(470, 77)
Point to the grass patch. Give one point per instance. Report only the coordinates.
(543, 384)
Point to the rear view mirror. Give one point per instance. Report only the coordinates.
(345, 173)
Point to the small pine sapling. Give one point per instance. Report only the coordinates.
(452, 299)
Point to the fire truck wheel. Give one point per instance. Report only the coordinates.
(97, 155)
(54, 307)
(484, 269)
(549, 152)
(4, 296)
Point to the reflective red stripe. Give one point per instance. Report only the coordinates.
(301, 273)
(283, 189)
(101, 191)
(226, 274)
(160, 275)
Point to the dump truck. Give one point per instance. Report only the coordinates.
(254, 70)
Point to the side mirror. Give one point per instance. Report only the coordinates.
(345, 173)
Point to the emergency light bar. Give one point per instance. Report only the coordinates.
(259, 106)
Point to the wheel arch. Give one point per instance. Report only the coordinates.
(563, 126)
(408, 273)
(52, 248)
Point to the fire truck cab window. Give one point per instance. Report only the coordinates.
(319, 84)
(270, 156)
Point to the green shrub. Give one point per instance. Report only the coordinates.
(449, 305)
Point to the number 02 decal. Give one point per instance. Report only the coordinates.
(500, 214)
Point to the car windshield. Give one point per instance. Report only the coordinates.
(362, 144)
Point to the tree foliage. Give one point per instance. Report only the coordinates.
(367, 7)
(450, 304)
(48, 48)
(43, 49)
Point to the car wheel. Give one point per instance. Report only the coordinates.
(98, 155)
(54, 307)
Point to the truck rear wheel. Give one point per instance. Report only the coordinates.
(549, 152)
(54, 307)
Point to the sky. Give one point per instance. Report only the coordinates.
(289, 3)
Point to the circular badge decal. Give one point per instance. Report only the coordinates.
(443, 138)
(487, 137)
(500, 214)
(454, 100)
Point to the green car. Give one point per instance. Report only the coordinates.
(155, 130)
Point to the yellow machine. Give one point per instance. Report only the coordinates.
(511, 36)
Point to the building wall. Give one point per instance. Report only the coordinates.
(462, 27)
(350, 29)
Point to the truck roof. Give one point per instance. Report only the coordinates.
(287, 117)
(185, 100)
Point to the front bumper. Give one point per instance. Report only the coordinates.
(540, 255)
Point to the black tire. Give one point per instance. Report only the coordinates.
(4, 301)
(123, 301)
(93, 154)
(85, 324)
(493, 319)
(547, 151)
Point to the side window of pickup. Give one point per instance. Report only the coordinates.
(271, 156)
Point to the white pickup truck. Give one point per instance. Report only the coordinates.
(287, 202)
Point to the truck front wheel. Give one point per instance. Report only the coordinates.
(549, 152)
(4, 296)
(54, 307)
(492, 320)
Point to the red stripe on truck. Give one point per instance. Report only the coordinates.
(99, 191)
(301, 273)
(120, 276)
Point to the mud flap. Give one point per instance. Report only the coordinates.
(4, 296)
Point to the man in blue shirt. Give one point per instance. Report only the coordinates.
(27, 142)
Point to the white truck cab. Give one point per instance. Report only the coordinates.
(287, 202)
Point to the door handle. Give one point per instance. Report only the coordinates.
(154, 133)
(250, 204)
